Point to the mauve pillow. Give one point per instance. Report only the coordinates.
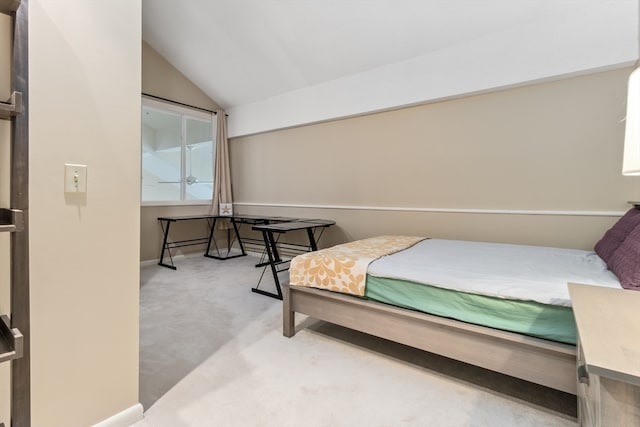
(616, 234)
(625, 261)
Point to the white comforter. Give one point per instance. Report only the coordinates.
(501, 270)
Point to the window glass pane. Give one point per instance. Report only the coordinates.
(199, 160)
(161, 155)
(178, 146)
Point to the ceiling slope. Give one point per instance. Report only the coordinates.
(280, 63)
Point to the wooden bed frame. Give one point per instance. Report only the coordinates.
(536, 360)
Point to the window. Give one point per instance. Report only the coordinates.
(177, 154)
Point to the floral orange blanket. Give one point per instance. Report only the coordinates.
(343, 268)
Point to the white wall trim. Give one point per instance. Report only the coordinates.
(331, 118)
(124, 418)
(439, 210)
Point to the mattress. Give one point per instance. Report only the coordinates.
(501, 270)
(552, 322)
(515, 288)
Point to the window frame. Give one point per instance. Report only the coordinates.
(185, 112)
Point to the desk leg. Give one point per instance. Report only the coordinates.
(312, 240)
(272, 253)
(235, 229)
(212, 239)
(213, 227)
(164, 247)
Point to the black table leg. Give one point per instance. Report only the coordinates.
(272, 253)
(213, 227)
(164, 247)
(212, 239)
(312, 240)
(235, 229)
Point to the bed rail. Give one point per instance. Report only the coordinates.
(536, 360)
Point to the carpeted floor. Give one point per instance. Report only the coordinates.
(212, 354)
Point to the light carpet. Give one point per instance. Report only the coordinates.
(212, 354)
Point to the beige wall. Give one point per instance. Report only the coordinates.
(161, 79)
(6, 32)
(151, 233)
(84, 108)
(554, 147)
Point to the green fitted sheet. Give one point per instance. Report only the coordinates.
(546, 321)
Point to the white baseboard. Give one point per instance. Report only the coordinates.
(167, 260)
(124, 418)
(178, 257)
(148, 262)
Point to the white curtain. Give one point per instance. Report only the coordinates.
(222, 176)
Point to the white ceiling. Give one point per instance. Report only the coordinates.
(244, 51)
(247, 52)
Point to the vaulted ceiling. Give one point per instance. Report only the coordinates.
(317, 60)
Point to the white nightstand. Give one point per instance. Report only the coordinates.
(608, 322)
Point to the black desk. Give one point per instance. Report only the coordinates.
(260, 219)
(252, 220)
(165, 224)
(311, 226)
(236, 220)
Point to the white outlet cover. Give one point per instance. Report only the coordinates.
(75, 178)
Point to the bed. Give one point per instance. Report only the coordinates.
(462, 300)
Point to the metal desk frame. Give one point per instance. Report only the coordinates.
(165, 224)
(253, 220)
(311, 226)
(210, 240)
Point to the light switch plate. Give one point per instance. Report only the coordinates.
(75, 178)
